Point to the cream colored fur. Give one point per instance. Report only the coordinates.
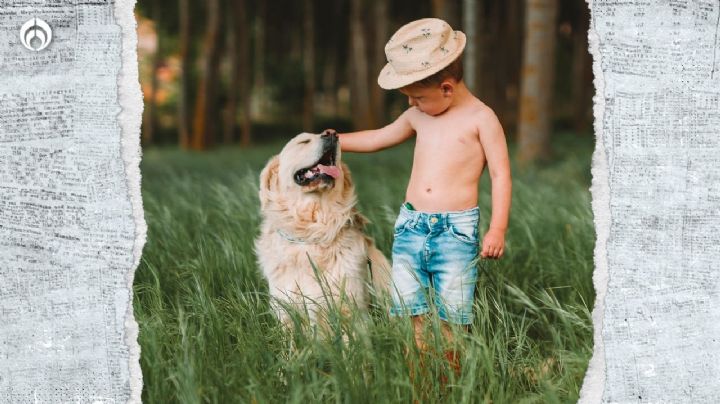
(327, 227)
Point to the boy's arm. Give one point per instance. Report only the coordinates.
(493, 142)
(377, 139)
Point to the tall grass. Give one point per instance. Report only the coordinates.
(207, 333)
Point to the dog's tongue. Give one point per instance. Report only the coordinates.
(332, 171)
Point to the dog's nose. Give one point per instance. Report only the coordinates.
(329, 133)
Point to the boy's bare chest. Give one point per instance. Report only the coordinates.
(456, 140)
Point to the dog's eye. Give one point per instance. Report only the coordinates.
(304, 141)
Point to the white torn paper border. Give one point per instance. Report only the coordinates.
(71, 220)
(130, 119)
(656, 202)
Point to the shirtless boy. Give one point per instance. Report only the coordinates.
(436, 233)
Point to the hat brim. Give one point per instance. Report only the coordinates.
(389, 79)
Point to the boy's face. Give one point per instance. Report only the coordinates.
(432, 100)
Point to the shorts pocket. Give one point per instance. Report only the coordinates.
(464, 231)
(401, 224)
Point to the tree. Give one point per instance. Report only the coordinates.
(361, 112)
(500, 58)
(509, 78)
(446, 10)
(309, 65)
(470, 55)
(582, 70)
(380, 31)
(150, 116)
(258, 90)
(203, 125)
(537, 81)
(184, 102)
(238, 48)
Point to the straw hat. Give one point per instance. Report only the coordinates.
(418, 50)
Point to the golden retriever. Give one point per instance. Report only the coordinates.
(307, 201)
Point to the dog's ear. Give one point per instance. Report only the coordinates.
(269, 181)
(348, 185)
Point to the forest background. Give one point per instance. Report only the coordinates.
(227, 82)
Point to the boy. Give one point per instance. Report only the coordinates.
(436, 233)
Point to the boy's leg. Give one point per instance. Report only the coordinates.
(419, 325)
(454, 272)
(446, 329)
(451, 355)
(454, 268)
(409, 279)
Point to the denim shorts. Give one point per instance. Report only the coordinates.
(434, 258)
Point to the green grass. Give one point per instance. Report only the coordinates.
(207, 334)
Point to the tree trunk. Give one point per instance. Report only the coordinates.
(258, 90)
(582, 72)
(512, 63)
(381, 26)
(492, 84)
(240, 75)
(242, 33)
(446, 10)
(360, 96)
(470, 55)
(331, 67)
(184, 104)
(537, 81)
(203, 135)
(150, 118)
(234, 82)
(309, 66)
(329, 82)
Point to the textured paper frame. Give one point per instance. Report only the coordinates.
(594, 380)
(655, 202)
(130, 119)
(51, 351)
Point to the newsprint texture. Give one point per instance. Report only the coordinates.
(656, 202)
(71, 222)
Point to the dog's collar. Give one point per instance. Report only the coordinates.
(291, 238)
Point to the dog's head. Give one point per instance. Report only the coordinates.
(312, 161)
(309, 164)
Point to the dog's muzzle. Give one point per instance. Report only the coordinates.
(325, 169)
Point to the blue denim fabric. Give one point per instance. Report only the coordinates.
(438, 250)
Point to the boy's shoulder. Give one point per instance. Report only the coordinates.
(488, 115)
(478, 114)
(475, 111)
(481, 113)
(482, 117)
(478, 107)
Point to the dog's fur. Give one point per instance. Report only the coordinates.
(315, 219)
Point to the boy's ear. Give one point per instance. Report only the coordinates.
(447, 87)
(269, 181)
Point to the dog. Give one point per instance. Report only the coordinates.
(311, 243)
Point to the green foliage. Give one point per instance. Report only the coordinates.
(207, 333)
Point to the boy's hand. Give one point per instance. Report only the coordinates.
(493, 244)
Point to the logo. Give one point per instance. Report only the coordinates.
(35, 34)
